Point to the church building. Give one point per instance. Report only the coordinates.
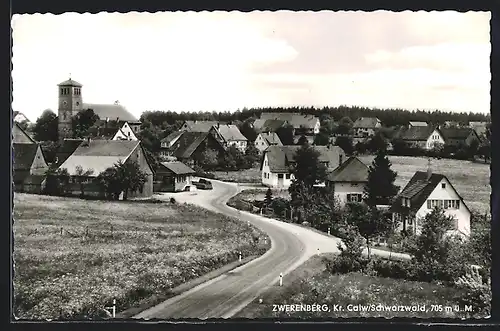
(71, 102)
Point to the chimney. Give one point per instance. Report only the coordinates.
(218, 125)
(429, 169)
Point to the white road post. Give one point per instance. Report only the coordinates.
(328, 230)
(114, 308)
(318, 250)
(240, 256)
(281, 279)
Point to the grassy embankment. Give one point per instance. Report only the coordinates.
(73, 257)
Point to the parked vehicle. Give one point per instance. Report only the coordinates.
(203, 184)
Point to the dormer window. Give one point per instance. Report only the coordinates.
(443, 185)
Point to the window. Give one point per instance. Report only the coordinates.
(280, 176)
(440, 204)
(443, 185)
(429, 206)
(77, 103)
(355, 197)
(446, 204)
(287, 176)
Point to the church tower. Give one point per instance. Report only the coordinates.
(70, 103)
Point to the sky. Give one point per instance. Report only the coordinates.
(224, 61)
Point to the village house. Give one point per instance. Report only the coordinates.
(460, 136)
(416, 123)
(366, 127)
(277, 162)
(173, 177)
(310, 139)
(111, 131)
(266, 139)
(229, 135)
(425, 137)
(302, 123)
(98, 155)
(271, 125)
(125, 133)
(349, 181)
(479, 127)
(71, 102)
(29, 168)
(167, 142)
(424, 192)
(190, 146)
(29, 162)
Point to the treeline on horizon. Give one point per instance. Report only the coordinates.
(389, 116)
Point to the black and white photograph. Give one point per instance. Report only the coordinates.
(251, 165)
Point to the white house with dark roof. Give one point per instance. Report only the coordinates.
(277, 162)
(229, 135)
(266, 139)
(98, 155)
(349, 180)
(425, 137)
(125, 133)
(71, 102)
(366, 126)
(307, 124)
(424, 192)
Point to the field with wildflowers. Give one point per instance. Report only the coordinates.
(73, 257)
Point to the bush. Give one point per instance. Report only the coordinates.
(172, 200)
(342, 264)
(240, 204)
(477, 291)
(279, 205)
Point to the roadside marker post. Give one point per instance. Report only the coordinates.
(281, 279)
(318, 250)
(240, 256)
(328, 230)
(113, 309)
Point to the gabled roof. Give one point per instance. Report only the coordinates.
(295, 119)
(111, 111)
(416, 133)
(70, 82)
(272, 125)
(366, 122)
(418, 190)
(200, 126)
(352, 170)
(271, 138)
(24, 154)
(281, 157)
(187, 143)
(230, 132)
(178, 168)
(67, 148)
(171, 137)
(457, 133)
(416, 123)
(99, 155)
(20, 136)
(102, 132)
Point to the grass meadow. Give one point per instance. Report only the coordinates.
(73, 257)
(252, 175)
(311, 284)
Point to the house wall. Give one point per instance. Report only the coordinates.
(434, 138)
(261, 143)
(147, 190)
(462, 215)
(39, 166)
(317, 126)
(343, 189)
(270, 179)
(364, 132)
(240, 144)
(129, 133)
(181, 181)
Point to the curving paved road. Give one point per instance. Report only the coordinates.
(224, 296)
